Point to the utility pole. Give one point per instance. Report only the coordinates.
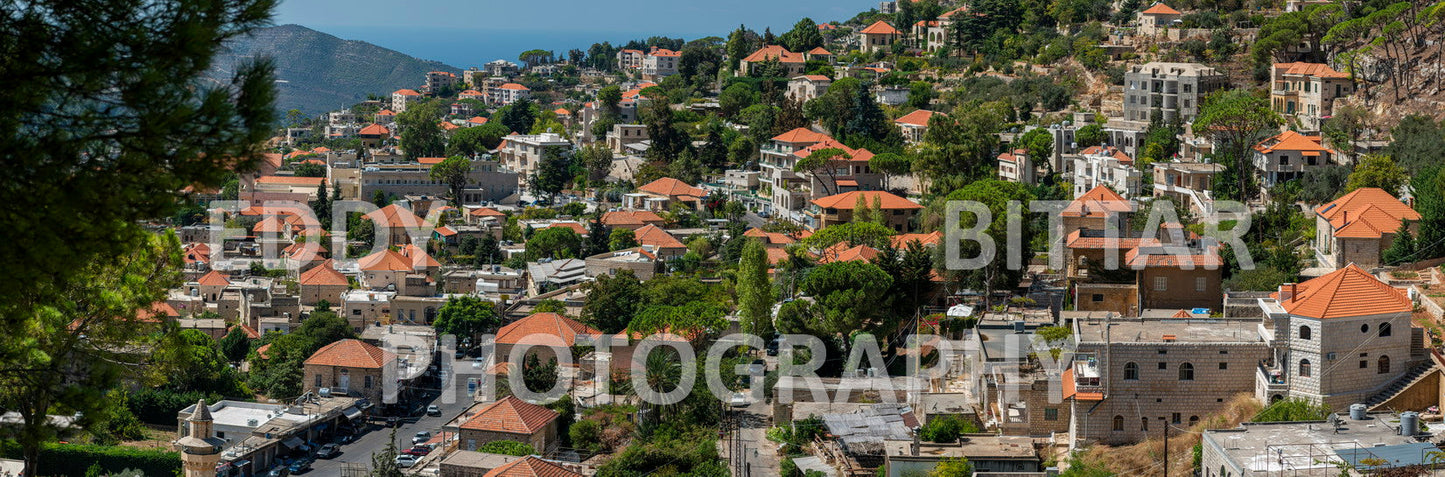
(1166, 449)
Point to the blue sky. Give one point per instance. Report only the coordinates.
(471, 32)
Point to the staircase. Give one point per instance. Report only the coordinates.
(1400, 385)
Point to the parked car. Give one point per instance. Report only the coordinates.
(433, 410)
(405, 461)
(420, 437)
(279, 472)
(417, 451)
(300, 466)
(738, 400)
(392, 422)
(329, 451)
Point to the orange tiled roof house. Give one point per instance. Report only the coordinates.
(509, 419)
(1339, 339)
(1359, 226)
(351, 367)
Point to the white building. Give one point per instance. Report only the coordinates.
(1106, 166)
(402, 97)
(520, 153)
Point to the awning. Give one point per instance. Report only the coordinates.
(352, 413)
(847, 183)
(293, 442)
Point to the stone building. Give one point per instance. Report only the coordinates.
(1132, 377)
(349, 367)
(1359, 226)
(509, 419)
(1175, 90)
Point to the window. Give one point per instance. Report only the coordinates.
(1384, 366)
(1365, 328)
(1200, 284)
(1384, 329)
(1163, 365)
(1223, 366)
(1118, 423)
(318, 380)
(1304, 368)
(1144, 424)
(1304, 332)
(1131, 371)
(367, 382)
(1193, 420)
(1161, 283)
(1186, 373)
(1051, 414)
(1098, 297)
(1174, 418)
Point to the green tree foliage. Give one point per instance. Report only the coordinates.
(1402, 248)
(1416, 142)
(1288, 410)
(597, 160)
(466, 316)
(59, 372)
(517, 117)
(1282, 35)
(852, 233)
(235, 344)
(952, 467)
(612, 301)
(741, 43)
(689, 450)
(1236, 120)
(697, 318)
(621, 239)
(609, 99)
(421, 136)
(1039, 144)
(310, 169)
(278, 374)
(1090, 135)
(755, 290)
(995, 195)
(961, 148)
(189, 360)
(383, 464)
(1428, 188)
(667, 140)
(506, 447)
(912, 270)
(847, 295)
(454, 172)
(1377, 171)
(107, 113)
(946, 429)
(1323, 184)
(890, 164)
(920, 94)
(554, 171)
(735, 98)
(476, 140)
(803, 37)
(553, 242)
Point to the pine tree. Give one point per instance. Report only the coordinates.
(384, 464)
(755, 292)
(1402, 249)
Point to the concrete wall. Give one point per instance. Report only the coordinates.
(543, 440)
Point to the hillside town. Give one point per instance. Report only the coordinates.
(498, 271)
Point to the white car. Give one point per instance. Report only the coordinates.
(420, 437)
(405, 461)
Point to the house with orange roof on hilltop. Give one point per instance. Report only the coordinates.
(897, 211)
(1096, 209)
(1017, 166)
(322, 282)
(402, 97)
(806, 87)
(631, 219)
(660, 63)
(1306, 92)
(543, 329)
(1288, 155)
(792, 189)
(1324, 326)
(405, 274)
(879, 36)
(1106, 166)
(915, 124)
(508, 419)
(349, 367)
(533, 466)
(792, 63)
(373, 135)
(473, 95)
(1158, 18)
(662, 194)
(1359, 226)
(658, 241)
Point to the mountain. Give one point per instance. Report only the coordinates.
(317, 72)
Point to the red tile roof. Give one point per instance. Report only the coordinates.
(487, 212)
(291, 180)
(820, 51)
(847, 200)
(880, 27)
(1343, 293)
(574, 226)
(917, 118)
(406, 92)
(901, 241)
(801, 135)
(430, 160)
(214, 278)
(351, 353)
(1160, 9)
(1319, 70)
(1367, 212)
(1156, 257)
(841, 252)
(385, 261)
(630, 217)
(1097, 202)
(395, 216)
(774, 52)
(550, 324)
(772, 238)
(323, 274)
(656, 237)
(272, 224)
(1076, 239)
(477, 120)
(511, 415)
(1291, 141)
(531, 466)
(670, 187)
(418, 257)
(514, 86)
(374, 130)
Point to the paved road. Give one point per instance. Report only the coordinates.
(374, 441)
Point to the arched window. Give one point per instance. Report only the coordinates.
(1365, 328)
(1304, 332)
(1186, 372)
(1131, 371)
(1384, 366)
(1304, 368)
(1144, 424)
(1193, 420)
(1384, 329)
(1118, 423)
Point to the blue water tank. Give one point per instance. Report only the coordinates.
(1357, 412)
(1409, 423)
